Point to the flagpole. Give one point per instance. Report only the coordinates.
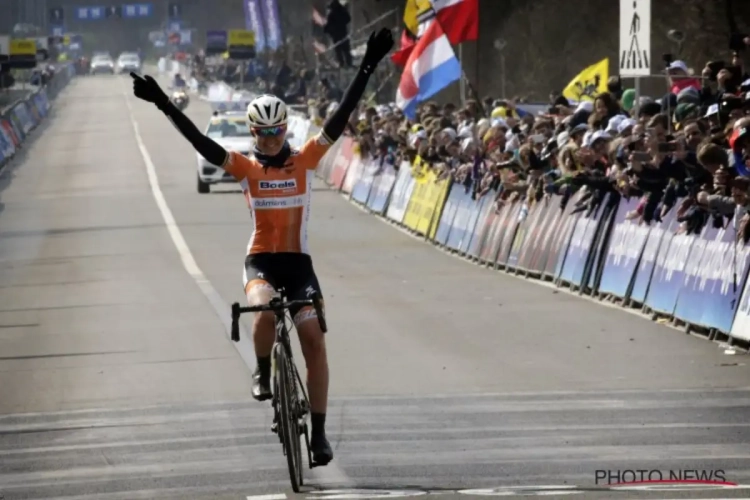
(462, 81)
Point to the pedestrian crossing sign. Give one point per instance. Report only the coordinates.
(635, 38)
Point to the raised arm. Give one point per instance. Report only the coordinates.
(147, 89)
(207, 147)
(378, 46)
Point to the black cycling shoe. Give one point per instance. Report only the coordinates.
(261, 386)
(321, 450)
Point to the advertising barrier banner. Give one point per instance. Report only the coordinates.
(602, 247)
(352, 171)
(381, 190)
(342, 164)
(363, 185)
(627, 240)
(657, 241)
(668, 271)
(401, 194)
(550, 225)
(581, 243)
(486, 206)
(18, 120)
(475, 209)
(445, 224)
(423, 201)
(532, 235)
(459, 222)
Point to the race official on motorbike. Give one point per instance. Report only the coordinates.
(180, 99)
(277, 252)
(178, 81)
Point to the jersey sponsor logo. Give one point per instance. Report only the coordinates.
(277, 185)
(278, 202)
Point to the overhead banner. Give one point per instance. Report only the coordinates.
(22, 53)
(254, 22)
(216, 42)
(4, 48)
(273, 24)
(241, 44)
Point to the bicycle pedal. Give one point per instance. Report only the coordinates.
(275, 428)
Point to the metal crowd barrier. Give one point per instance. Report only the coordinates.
(18, 120)
(698, 282)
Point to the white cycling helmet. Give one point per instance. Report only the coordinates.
(266, 111)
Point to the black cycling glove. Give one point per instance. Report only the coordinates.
(146, 88)
(378, 46)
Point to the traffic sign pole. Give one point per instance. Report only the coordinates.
(635, 42)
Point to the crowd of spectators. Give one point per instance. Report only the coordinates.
(689, 147)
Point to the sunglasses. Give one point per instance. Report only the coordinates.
(269, 131)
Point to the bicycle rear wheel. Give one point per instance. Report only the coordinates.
(289, 420)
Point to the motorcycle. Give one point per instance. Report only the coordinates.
(180, 99)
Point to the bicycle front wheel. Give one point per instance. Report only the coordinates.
(289, 419)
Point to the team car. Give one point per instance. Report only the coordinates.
(231, 130)
(127, 62)
(102, 64)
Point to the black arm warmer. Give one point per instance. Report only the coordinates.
(336, 123)
(205, 146)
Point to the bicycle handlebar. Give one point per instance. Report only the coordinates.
(276, 305)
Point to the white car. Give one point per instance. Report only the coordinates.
(127, 62)
(230, 130)
(102, 64)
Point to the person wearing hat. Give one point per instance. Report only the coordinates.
(625, 127)
(684, 112)
(679, 77)
(648, 111)
(614, 124)
(627, 102)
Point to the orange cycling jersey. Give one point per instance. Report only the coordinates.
(279, 198)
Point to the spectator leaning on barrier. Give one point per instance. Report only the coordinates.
(687, 144)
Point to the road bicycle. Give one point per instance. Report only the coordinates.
(290, 403)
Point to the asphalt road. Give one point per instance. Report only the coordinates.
(118, 381)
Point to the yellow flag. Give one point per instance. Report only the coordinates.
(589, 83)
(411, 14)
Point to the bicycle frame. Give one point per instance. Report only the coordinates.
(290, 416)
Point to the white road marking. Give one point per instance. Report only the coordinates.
(331, 473)
(274, 496)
